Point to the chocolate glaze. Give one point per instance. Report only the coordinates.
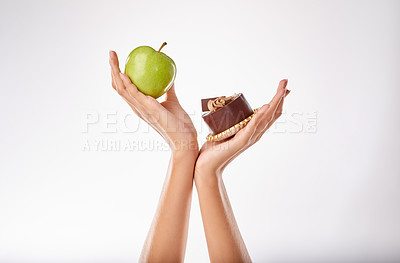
(227, 116)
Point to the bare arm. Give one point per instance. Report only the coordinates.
(224, 241)
(166, 240)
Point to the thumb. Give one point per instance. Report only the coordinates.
(171, 95)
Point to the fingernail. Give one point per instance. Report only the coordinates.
(282, 84)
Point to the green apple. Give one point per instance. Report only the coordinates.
(152, 72)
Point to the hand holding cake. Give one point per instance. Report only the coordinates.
(237, 118)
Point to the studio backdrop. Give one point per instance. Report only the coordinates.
(81, 174)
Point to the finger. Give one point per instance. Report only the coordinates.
(150, 109)
(171, 95)
(144, 116)
(112, 82)
(133, 92)
(115, 73)
(131, 103)
(269, 114)
(243, 138)
(133, 107)
(248, 131)
(114, 63)
(268, 117)
(279, 93)
(264, 114)
(112, 77)
(231, 148)
(118, 84)
(276, 116)
(113, 56)
(136, 107)
(147, 105)
(274, 103)
(278, 112)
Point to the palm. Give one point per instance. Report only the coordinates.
(224, 149)
(179, 117)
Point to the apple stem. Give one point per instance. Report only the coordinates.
(163, 44)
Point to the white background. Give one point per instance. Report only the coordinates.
(305, 192)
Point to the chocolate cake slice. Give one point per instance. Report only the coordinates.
(226, 115)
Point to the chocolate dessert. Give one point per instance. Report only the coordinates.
(226, 115)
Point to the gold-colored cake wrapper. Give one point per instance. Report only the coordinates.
(231, 131)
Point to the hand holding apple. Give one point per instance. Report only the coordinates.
(168, 118)
(152, 72)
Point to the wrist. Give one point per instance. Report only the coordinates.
(183, 145)
(207, 174)
(184, 154)
(209, 166)
(205, 180)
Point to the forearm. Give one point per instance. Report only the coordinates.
(224, 241)
(166, 241)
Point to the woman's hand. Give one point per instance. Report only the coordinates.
(166, 240)
(224, 241)
(215, 156)
(167, 118)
